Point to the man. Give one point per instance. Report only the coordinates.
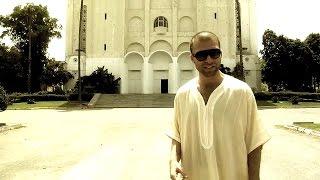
(216, 132)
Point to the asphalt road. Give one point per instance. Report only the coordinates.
(131, 144)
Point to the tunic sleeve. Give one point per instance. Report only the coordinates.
(174, 133)
(256, 133)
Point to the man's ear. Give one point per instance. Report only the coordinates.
(192, 58)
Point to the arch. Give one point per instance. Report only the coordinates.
(135, 24)
(186, 24)
(186, 68)
(161, 45)
(137, 47)
(134, 63)
(160, 59)
(185, 4)
(160, 76)
(136, 4)
(185, 62)
(160, 4)
(185, 46)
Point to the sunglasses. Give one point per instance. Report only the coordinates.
(202, 55)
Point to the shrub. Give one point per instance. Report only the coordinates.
(84, 97)
(238, 72)
(16, 98)
(264, 87)
(263, 96)
(275, 99)
(58, 90)
(286, 96)
(3, 99)
(30, 101)
(294, 100)
(100, 81)
(41, 93)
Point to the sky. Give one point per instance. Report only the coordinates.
(295, 19)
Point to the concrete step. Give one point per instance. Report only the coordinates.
(135, 100)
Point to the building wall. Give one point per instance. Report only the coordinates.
(121, 36)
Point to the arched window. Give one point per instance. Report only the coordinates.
(161, 22)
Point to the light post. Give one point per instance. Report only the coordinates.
(79, 54)
(29, 19)
(239, 38)
(29, 53)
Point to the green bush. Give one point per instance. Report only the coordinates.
(264, 87)
(275, 99)
(294, 100)
(16, 98)
(84, 97)
(3, 99)
(263, 96)
(100, 81)
(286, 96)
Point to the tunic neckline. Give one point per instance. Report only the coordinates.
(215, 93)
(205, 113)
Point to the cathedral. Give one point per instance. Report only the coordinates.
(146, 42)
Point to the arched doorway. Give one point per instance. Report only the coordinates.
(134, 63)
(161, 81)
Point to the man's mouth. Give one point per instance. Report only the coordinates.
(208, 67)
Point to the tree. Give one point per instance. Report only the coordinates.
(299, 74)
(54, 74)
(238, 72)
(11, 70)
(275, 56)
(32, 19)
(100, 81)
(225, 70)
(3, 99)
(286, 63)
(313, 43)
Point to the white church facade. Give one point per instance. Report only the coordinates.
(146, 42)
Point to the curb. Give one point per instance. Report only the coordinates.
(303, 130)
(11, 127)
(94, 100)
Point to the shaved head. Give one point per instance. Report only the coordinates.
(203, 36)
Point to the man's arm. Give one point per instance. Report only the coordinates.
(175, 151)
(254, 159)
(175, 157)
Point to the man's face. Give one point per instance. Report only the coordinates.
(206, 56)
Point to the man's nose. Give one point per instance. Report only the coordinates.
(209, 59)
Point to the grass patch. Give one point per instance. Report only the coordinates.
(42, 105)
(288, 104)
(265, 103)
(315, 127)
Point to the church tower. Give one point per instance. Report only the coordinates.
(146, 42)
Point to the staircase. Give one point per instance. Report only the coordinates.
(135, 101)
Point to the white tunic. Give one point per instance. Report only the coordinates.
(217, 137)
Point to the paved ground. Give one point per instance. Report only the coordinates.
(130, 144)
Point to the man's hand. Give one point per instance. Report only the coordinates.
(176, 171)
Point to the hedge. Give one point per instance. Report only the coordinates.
(84, 97)
(18, 97)
(286, 96)
(3, 99)
(37, 97)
